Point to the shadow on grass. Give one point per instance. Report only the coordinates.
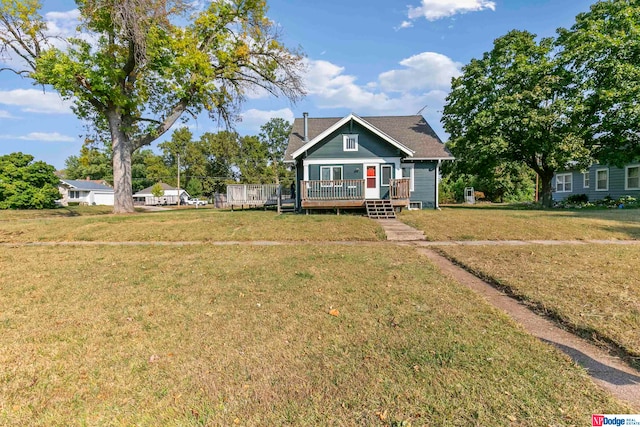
(597, 369)
(498, 206)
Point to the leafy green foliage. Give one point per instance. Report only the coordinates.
(25, 184)
(507, 182)
(513, 105)
(275, 135)
(157, 190)
(603, 50)
(142, 71)
(93, 163)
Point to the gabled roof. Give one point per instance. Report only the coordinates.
(86, 185)
(411, 134)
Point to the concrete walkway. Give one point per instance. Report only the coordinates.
(398, 231)
(608, 371)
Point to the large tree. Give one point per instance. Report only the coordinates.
(514, 105)
(275, 135)
(221, 151)
(25, 184)
(133, 71)
(603, 49)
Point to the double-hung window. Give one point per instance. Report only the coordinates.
(585, 180)
(350, 142)
(563, 183)
(632, 177)
(602, 180)
(407, 172)
(330, 173)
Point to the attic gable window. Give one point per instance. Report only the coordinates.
(350, 142)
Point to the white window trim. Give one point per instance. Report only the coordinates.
(411, 167)
(346, 138)
(626, 177)
(602, 189)
(564, 182)
(382, 184)
(331, 169)
(586, 180)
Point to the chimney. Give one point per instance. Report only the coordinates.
(306, 126)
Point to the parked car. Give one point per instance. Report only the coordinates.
(196, 202)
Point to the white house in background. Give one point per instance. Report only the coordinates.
(85, 192)
(170, 196)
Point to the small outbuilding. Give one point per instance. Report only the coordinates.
(169, 197)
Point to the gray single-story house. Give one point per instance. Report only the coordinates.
(85, 192)
(598, 182)
(341, 162)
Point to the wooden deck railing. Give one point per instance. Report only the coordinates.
(251, 194)
(399, 188)
(346, 189)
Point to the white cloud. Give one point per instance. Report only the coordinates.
(403, 25)
(437, 9)
(424, 81)
(35, 101)
(427, 70)
(41, 136)
(252, 119)
(4, 114)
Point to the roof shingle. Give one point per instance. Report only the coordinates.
(411, 131)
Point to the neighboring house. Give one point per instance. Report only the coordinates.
(170, 196)
(598, 182)
(85, 192)
(341, 162)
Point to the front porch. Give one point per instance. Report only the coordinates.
(350, 193)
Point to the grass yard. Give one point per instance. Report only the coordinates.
(68, 211)
(505, 223)
(594, 289)
(202, 225)
(204, 335)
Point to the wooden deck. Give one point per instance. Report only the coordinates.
(352, 204)
(349, 194)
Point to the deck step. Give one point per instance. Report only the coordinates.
(380, 209)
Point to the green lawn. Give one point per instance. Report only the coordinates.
(593, 289)
(203, 225)
(205, 335)
(505, 223)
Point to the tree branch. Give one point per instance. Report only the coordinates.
(163, 126)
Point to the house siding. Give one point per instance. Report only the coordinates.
(348, 170)
(616, 184)
(425, 176)
(369, 145)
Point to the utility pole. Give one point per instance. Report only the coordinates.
(178, 179)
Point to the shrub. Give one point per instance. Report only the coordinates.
(578, 198)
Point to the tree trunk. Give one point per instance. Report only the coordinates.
(122, 149)
(545, 191)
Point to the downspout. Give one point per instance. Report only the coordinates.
(438, 184)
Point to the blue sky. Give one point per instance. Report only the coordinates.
(370, 57)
